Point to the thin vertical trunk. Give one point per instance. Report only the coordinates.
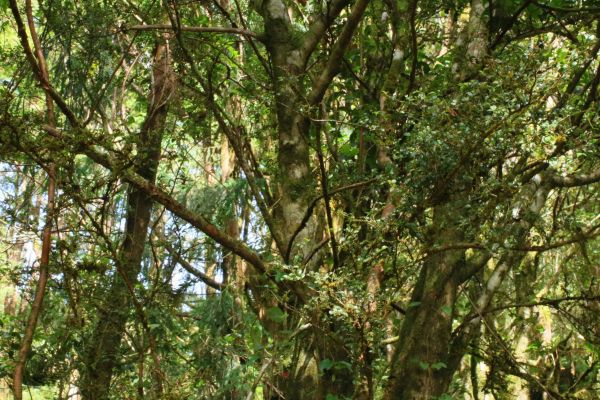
(210, 256)
(40, 290)
(103, 348)
(524, 335)
(232, 228)
(15, 252)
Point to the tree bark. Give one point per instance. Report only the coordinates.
(294, 184)
(418, 368)
(40, 290)
(102, 350)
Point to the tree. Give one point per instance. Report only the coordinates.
(376, 190)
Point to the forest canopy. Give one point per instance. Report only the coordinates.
(310, 199)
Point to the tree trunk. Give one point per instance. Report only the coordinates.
(40, 289)
(419, 365)
(294, 186)
(103, 347)
(429, 352)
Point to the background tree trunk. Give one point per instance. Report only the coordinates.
(101, 354)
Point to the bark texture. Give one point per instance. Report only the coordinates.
(43, 271)
(102, 349)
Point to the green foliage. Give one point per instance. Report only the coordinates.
(432, 180)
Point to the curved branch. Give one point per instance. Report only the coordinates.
(542, 302)
(193, 270)
(590, 234)
(577, 76)
(37, 71)
(162, 197)
(510, 24)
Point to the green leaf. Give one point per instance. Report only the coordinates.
(325, 364)
(343, 365)
(229, 338)
(438, 365)
(275, 314)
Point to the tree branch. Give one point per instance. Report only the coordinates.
(325, 194)
(39, 74)
(193, 270)
(542, 302)
(568, 10)
(335, 59)
(162, 197)
(575, 180)
(577, 76)
(510, 24)
(318, 28)
(198, 29)
(590, 234)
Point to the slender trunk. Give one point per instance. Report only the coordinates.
(40, 290)
(103, 349)
(524, 335)
(14, 253)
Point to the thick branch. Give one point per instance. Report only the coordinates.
(575, 180)
(162, 197)
(317, 30)
(335, 59)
